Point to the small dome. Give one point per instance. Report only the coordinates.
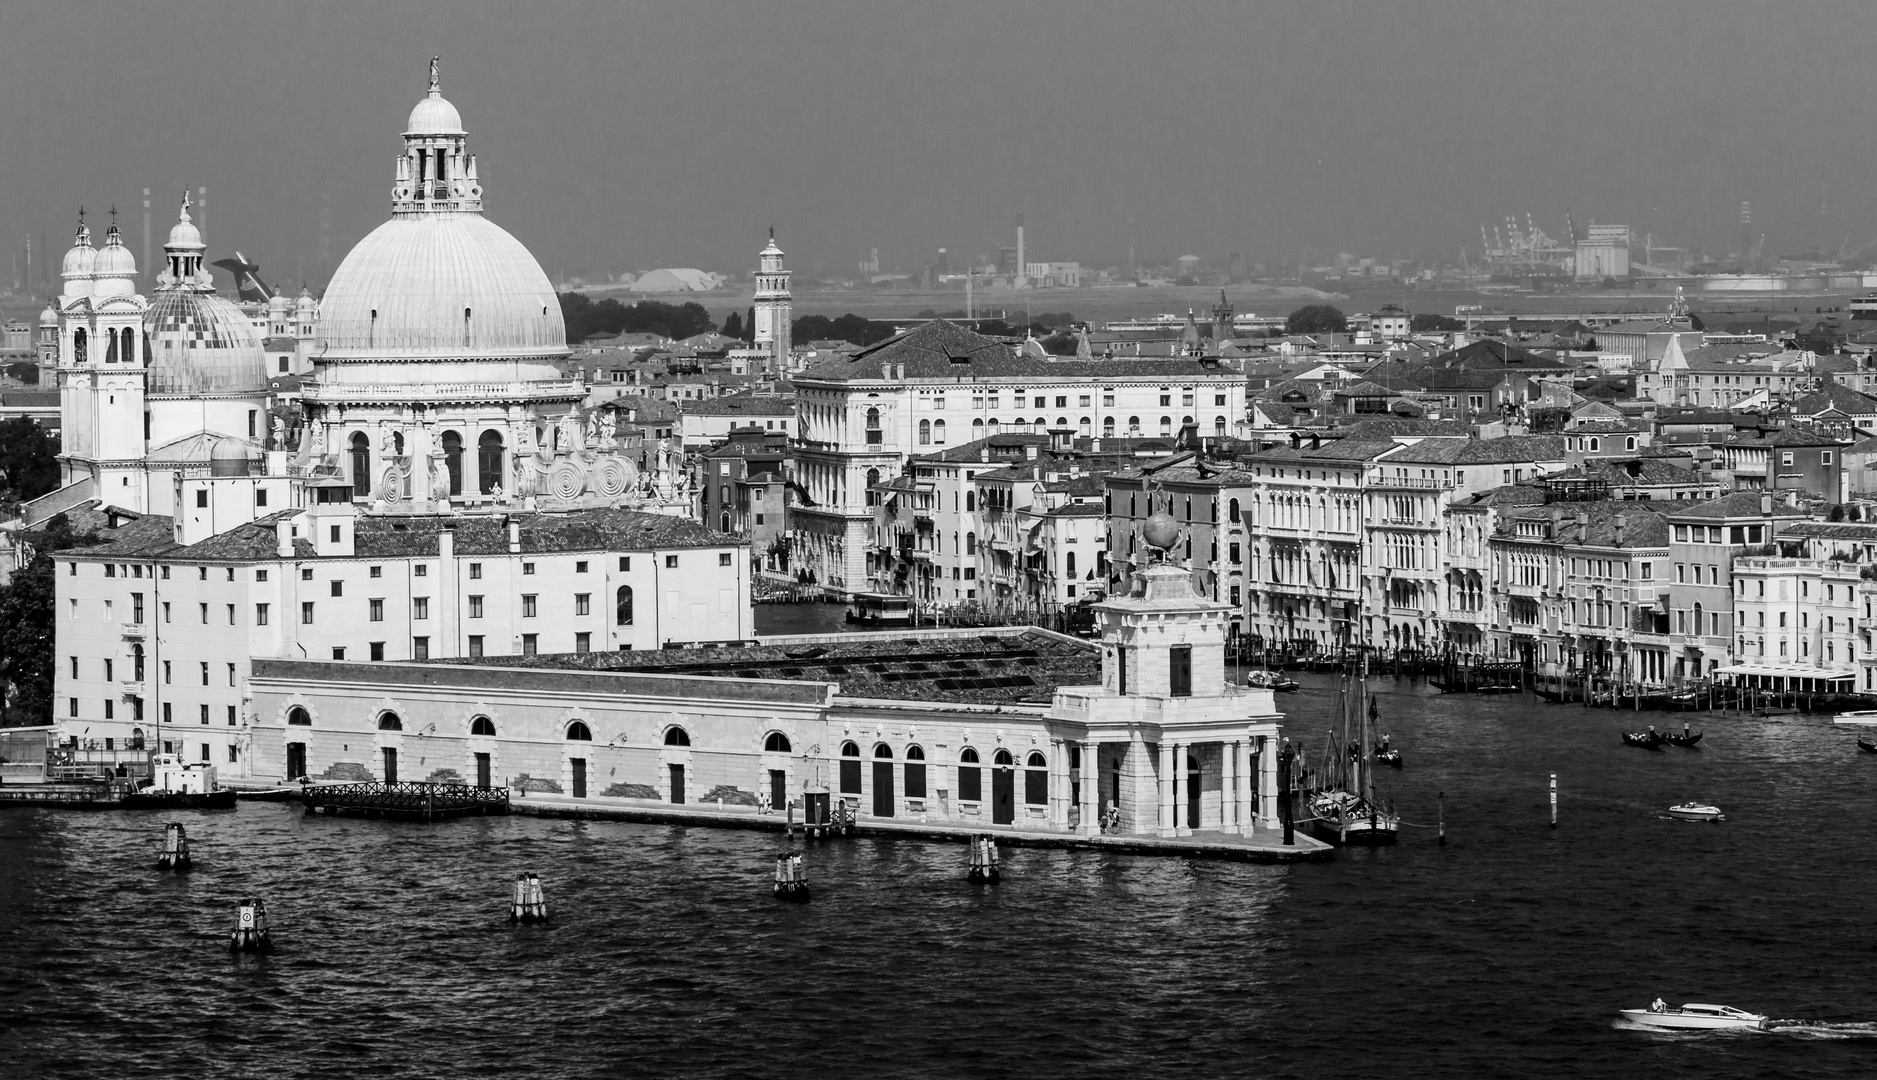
(184, 234)
(79, 260)
(305, 302)
(49, 317)
(1161, 530)
(434, 115)
(202, 345)
(279, 303)
(114, 260)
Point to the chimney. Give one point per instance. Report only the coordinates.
(886, 372)
(514, 537)
(446, 546)
(1766, 505)
(1029, 453)
(1557, 524)
(283, 539)
(1622, 524)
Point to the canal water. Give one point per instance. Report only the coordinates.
(1506, 952)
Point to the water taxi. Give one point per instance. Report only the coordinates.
(1693, 811)
(1695, 1016)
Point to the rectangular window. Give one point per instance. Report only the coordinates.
(377, 609)
(260, 575)
(338, 588)
(1180, 671)
(306, 612)
(205, 672)
(420, 648)
(421, 570)
(583, 603)
(376, 571)
(166, 673)
(338, 652)
(72, 708)
(528, 644)
(306, 574)
(475, 607)
(420, 607)
(260, 614)
(723, 558)
(377, 650)
(625, 564)
(527, 606)
(475, 644)
(475, 571)
(231, 614)
(204, 609)
(202, 714)
(527, 568)
(671, 562)
(333, 532)
(583, 642)
(231, 674)
(581, 566)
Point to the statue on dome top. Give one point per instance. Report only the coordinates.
(436, 80)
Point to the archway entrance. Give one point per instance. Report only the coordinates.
(1003, 790)
(883, 781)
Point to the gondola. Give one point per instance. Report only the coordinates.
(1684, 739)
(1866, 745)
(1391, 758)
(1648, 740)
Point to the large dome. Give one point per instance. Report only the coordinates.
(441, 286)
(202, 345)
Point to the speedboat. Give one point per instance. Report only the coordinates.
(1696, 1016)
(1693, 811)
(1271, 680)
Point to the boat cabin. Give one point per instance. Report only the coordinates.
(171, 773)
(880, 610)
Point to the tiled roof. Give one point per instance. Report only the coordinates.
(1082, 509)
(945, 350)
(1788, 436)
(999, 666)
(741, 405)
(1835, 395)
(1512, 448)
(148, 537)
(1739, 504)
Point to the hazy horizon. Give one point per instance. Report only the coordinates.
(618, 138)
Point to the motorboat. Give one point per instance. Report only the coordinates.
(1866, 745)
(1696, 1016)
(180, 785)
(1694, 811)
(1860, 718)
(1271, 680)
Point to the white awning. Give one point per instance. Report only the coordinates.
(1788, 671)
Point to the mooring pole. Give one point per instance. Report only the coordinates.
(1440, 801)
(1554, 800)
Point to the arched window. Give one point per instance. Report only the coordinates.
(992, 427)
(1021, 425)
(915, 772)
(453, 459)
(873, 427)
(1134, 425)
(79, 346)
(925, 433)
(676, 736)
(1629, 443)
(970, 777)
(977, 430)
(723, 522)
(489, 462)
(971, 543)
(849, 749)
(1107, 427)
(136, 661)
(1036, 780)
(1166, 425)
(850, 768)
(361, 464)
(1002, 759)
(1085, 426)
(1042, 426)
(390, 722)
(776, 743)
(938, 432)
(1061, 422)
(298, 717)
(623, 606)
(579, 732)
(971, 501)
(136, 738)
(1068, 565)
(1233, 508)
(883, 751)
(1218, 426)
(482, 725)
(128, 351)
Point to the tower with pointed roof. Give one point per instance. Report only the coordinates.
(1221, 321)
(773, 306)
(101, 359)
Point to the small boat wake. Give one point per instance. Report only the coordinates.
(1813, 1029)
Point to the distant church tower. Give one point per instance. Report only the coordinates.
(773, 305)
(1221, 321)
(102, 369)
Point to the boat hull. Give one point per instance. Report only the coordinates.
(1687, 1022)
(223, 799)
(1356, 832)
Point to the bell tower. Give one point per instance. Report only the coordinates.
(773, 306)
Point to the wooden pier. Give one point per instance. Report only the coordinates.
(407, 800)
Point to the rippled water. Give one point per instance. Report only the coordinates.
(1505, 953)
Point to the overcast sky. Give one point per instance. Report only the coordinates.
(618, 136)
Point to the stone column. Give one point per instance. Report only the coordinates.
(1058, 784)
(1228, 786)
(1243, 808)
(1181, 826)
(1267, 782)
(1091, 789)
(1166, 789)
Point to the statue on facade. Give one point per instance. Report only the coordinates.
(570, 436)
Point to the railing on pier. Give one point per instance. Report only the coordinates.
(403, 799)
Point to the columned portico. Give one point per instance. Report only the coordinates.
(1164, 695)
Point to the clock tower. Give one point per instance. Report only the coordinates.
(773, 305)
